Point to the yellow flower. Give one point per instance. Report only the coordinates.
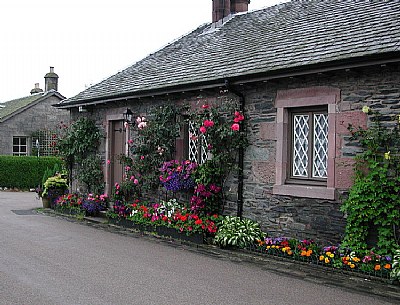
(352, 266)
(290, 252)
(356, 259)
(303, 253)
(327, 261)
(321, 257)
(377, 267)
(309, 252)
(268, 247)
(387, 155)
(365, 109)
(331, 255)
(328, 253)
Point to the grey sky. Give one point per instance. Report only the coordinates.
(88, 40)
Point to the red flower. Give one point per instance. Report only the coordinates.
(198, 222)
(183, 218)
(208, 123)
(238, 117)
(205, 106)
(203, 129)
(165, 218)
(235, 127)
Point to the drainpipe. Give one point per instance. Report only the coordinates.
(241, 151)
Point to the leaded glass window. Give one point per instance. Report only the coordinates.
(309, 150)
(197, 145)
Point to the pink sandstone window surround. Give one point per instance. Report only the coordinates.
(295, 98)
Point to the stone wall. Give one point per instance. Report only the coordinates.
(377, 87)
(38, 117)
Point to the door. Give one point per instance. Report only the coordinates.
(118, 139)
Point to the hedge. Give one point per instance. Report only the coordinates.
(24, 172)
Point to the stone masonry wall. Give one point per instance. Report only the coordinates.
(38, 117)
(377, 87)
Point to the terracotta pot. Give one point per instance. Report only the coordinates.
(46, 202)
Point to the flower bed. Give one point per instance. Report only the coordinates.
(368, 263)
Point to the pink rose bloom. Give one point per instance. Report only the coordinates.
(203, 129)
(208, 123)
(235, 127)
(238, 117)
(108, 162)
(127, 168)
(205, 106)
(136, 182)
(132, 178)
(141, 157)
(130, 141)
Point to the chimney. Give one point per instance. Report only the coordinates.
(51, 80)
(223, 8)
(36, 89)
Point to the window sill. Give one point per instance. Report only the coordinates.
(307, 191)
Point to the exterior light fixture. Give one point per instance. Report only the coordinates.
(128, 114)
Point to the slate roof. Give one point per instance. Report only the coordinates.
(10, 108)
(291, 35)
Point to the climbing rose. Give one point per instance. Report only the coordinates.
(203, 129)
(235, 127)
(208, 123)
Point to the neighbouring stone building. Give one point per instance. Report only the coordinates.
(27, 119)
(302, 70)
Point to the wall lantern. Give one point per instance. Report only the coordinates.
(128, 114)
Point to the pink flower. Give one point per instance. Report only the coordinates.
(132, 178)
(235, 127)
(193, 137)
(203, 129)
(136, 182)
(141, 157)
(126, 125)
(205, 106)
(130, 141)
(142, 125)
(127, 168)
(208, 123)
(238, 117)
(108, 162)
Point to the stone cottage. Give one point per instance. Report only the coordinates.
(302, 72)
(27, 119)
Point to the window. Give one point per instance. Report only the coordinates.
(305, 156)
(197, 145)
(309, 146)
(20, 147)
(47, 143)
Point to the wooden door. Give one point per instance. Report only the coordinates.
(118, 139)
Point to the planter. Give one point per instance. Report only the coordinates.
(128, 224)
(46, 202)
(196, 238)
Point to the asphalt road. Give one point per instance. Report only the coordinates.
(50, 260)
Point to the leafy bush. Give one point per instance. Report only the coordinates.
(395, 274)
(238, 232)
(375, 195)
(24, 172)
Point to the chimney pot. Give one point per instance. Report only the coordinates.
(51, 80)
(36, 89)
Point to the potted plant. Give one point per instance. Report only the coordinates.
(53, 188)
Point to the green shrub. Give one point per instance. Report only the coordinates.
(237, 232)
(25, 172)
